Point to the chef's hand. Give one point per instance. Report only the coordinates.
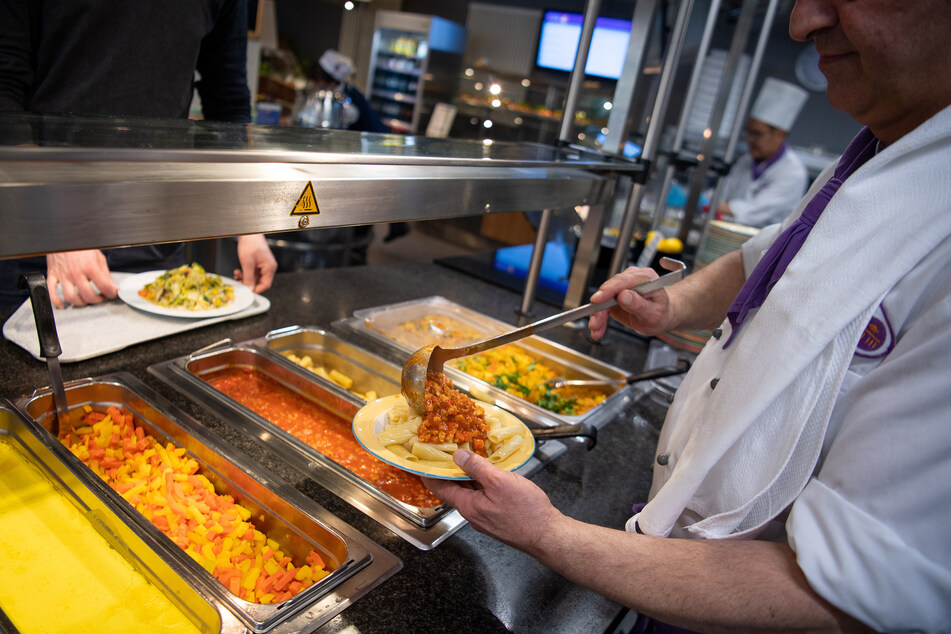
(647, 314)
(258, 265)
(73, 271)
(498, 503)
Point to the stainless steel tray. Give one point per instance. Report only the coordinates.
(41, 450)
(368, 371)
(424, 527)
(356, 564)
(378, 321)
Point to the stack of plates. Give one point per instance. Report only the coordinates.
(719, 238)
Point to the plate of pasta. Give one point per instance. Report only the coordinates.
(387, 428)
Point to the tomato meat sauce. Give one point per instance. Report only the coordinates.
(328, 434)
(451, 416)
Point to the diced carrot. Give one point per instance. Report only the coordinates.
(315, 559)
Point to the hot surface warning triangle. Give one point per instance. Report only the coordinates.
(307, 203)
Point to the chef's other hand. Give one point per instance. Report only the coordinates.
(647, 314)
(73, 271)
(499, 503)
(258, 265)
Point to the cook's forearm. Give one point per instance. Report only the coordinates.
(709, 586)
(702, 298)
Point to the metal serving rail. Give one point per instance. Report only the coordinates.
(75, 183)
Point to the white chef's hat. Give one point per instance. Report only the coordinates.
(779, 103)
(337, 65)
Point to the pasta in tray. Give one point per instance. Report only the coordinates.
(449, 424)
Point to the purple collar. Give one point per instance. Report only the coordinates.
(759, 167)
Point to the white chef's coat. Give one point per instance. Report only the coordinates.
(769, 198)
(870, 528)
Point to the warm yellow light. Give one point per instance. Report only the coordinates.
(495, 89)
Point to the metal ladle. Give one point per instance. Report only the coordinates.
(431, 358)
(49, 347)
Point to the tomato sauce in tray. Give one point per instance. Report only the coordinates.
(328, 434)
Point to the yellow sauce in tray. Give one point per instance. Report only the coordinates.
(57, 574)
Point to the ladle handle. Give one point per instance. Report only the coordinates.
(42, 314)
(677, 272)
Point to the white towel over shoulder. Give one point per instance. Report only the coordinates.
(743, 451)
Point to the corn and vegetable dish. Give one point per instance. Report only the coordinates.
(188, 287)
(514, 370)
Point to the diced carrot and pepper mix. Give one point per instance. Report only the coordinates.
(164, 485)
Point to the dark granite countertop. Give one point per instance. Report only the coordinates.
(469, 582)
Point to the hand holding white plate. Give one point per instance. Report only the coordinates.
(129, 293)
(372, 418)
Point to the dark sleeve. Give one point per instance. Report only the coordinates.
(222, 64)
(368, 121)
(16, 68)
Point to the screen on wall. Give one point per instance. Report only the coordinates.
(561, 34)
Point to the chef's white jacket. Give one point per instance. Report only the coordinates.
(871, 528)
(769, 198)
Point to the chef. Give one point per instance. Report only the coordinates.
(802, 478)
(765, 184)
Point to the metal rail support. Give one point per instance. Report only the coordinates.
(699, 178)
(654, 130)
(592, 7)
(740, 122)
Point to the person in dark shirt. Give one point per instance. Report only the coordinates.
(124, 59)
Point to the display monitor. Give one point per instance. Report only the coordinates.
(561, 34)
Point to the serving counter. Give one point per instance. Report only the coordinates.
(469, 582)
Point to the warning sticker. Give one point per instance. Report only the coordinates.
(307, 203)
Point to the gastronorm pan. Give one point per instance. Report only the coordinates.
(41, 450)
(387, 325)
(355, 564)
(367, 371)
(423, 526)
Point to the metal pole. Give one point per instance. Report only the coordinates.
(739, 123)
(592, 7)
(652, 138)
(678, 143)
(619, 119)
(698, 180)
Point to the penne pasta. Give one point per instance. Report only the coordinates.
(502, 434)
(426, 451)
(395, 435)
(402, 452)
(506, 449)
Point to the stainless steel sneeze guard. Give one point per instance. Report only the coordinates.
(131, 182)
(425, 528)
(357, 564)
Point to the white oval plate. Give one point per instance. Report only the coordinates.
(129, 293)
(371, 419)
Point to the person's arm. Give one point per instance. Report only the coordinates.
(710, 586)
(222, 64)
(75, 272)
(258, 265)
(700, 300)
(16, 73)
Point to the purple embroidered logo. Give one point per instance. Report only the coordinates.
(877, 340)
